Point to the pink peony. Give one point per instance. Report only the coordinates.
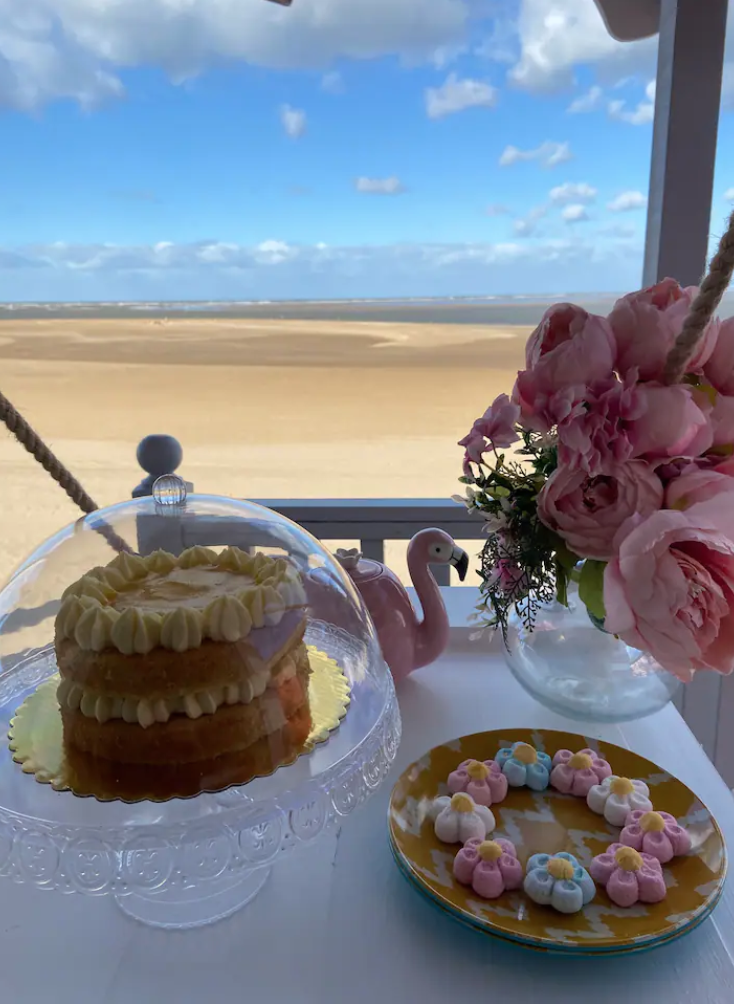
(645, 325)
(494, 430)
(568, 350)
(696, 484)
(587, 511)
(624, 420)
(719, 369)
(670, 590)
(721, 418)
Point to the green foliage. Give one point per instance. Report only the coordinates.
(591, 587)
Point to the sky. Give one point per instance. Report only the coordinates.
(237, 149)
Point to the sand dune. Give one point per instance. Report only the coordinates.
(278, 409)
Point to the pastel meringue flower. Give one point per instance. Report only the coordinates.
(524, 766)
(577, 773)
(559, 881)
(646, 324)
(628, 876)
(458, 818)
(490, 867)
(615, 797)
(483, 780)
(657, 834)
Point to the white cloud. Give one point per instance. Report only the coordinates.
(643, 114)
(332, 82)
(293, 121)
(555, 38)
(586, 102)
(456, 94)
(379, 186)
(626, 201)
(575, 213)
(525, 226)
(497, 209)
(274, 268)
(571, 191)
(73, 49)
(729, 195)
(548, 154)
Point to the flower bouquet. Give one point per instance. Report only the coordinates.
(621, 474)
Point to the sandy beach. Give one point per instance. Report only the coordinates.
(263, 408)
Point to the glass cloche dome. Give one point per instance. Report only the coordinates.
(130, 597)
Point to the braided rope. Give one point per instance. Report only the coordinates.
(33, 443)
(702, 309)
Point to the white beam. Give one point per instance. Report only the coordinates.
(687, 99)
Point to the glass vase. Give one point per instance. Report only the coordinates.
(577, 669)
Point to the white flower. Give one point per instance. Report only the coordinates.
(616, 797)
(459, 818)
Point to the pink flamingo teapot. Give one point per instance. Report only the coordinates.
(407, 642)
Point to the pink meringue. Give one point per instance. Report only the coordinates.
(490, 867)
(577, 773)
(655, 833)
(484, 781)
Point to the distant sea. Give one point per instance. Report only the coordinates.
(450, 310)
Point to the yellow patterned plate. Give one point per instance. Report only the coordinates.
(549, 822)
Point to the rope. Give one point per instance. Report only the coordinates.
(702, 309)
(33, 443)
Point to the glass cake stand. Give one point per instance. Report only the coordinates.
(186, 862)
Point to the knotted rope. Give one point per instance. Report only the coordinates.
(33, 443)
(702, 309)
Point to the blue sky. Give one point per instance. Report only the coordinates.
(190, 149)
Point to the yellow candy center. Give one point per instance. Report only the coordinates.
(628, 859)
(560, 868)
(580, 761)
(621, 786)
(525, 754)
(489, 850)
(652, 821)
(462, 803)
(477, 771)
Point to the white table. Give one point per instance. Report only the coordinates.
(337, 924)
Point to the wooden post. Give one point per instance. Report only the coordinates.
(687, 99)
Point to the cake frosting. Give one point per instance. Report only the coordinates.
(490, 867)
(615, 797)
(655, 833)
(576, 773)
(629, 876)
(137, 604)
(524, 766)
(483, 780)
(458, 819)
(558, 880)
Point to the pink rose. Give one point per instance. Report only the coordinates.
(588, 511)
(623, 421)
(569, 349)
(647, 323)
(670, 590)
(494, 430)
(719, 369)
